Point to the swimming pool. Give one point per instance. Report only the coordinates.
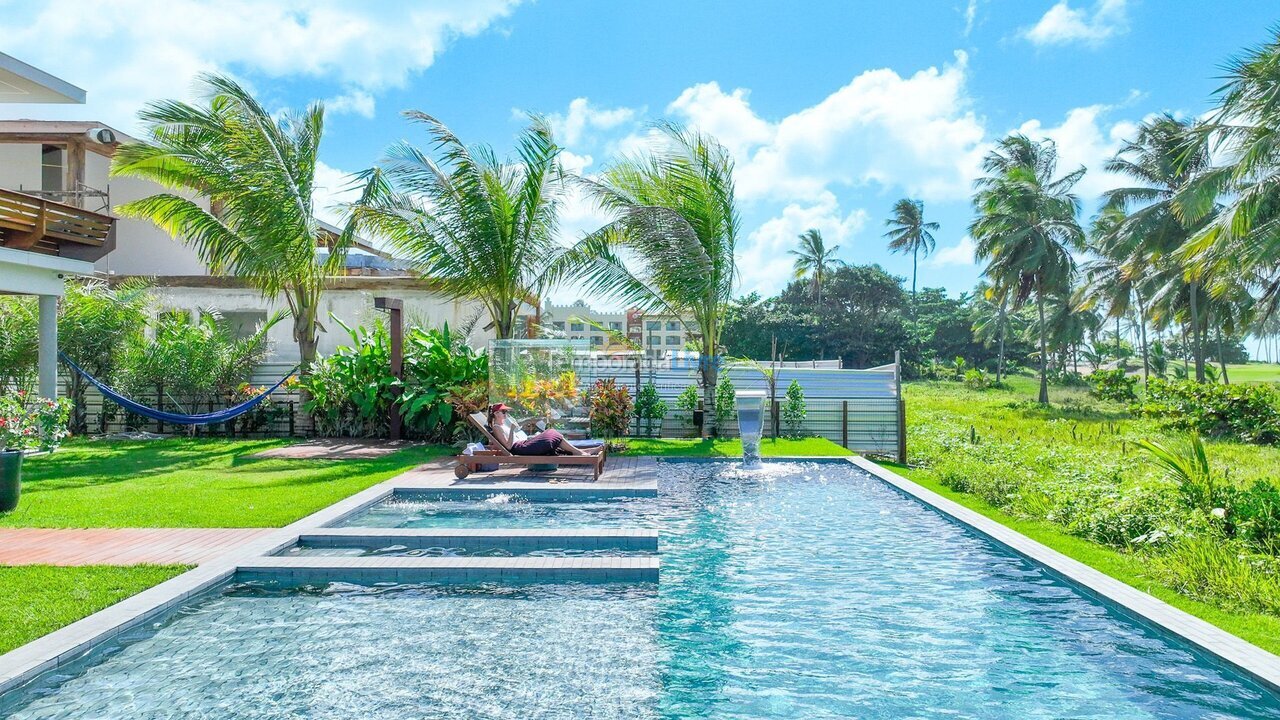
(512, 509)
(795, 591)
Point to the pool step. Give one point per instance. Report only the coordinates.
(517, 541)
(368, 570)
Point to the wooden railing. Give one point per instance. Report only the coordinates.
(52, 228)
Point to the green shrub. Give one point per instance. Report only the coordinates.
(687, 401)
(1254, 512)
(31, 423)
(725, 408)
(1212, 568)
(794, 410)
(438, 365)
(610, 408)
(1114, 385)
(350, 391)
(1248, 413)
(652, 409)
(977, 379)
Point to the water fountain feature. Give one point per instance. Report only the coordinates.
(750, 405)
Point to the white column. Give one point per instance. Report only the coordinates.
(49, 346)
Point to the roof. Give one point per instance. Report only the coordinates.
(22, 83)
(49, 128)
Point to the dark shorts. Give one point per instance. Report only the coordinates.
(546, 442)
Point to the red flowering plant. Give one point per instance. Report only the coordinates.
(28, 423)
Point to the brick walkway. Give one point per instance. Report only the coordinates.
(127, 546)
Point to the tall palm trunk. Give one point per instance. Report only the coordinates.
(710, 376)
(915, 253)
(1198, 348)
(1044, 356)
(1000, 331)
(1222, 359)
(1142, 331)
(1119, 349)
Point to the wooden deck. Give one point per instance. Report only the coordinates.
(127, 546)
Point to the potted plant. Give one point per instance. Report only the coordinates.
(40, 426)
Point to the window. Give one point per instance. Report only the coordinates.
(577, 327)
(597, 340)
(653, 325)
(655, 340)
(558, 325)
(673, 339)
(615, 325)
(673, 326)
(51, 168)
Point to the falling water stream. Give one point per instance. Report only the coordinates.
(750, 404)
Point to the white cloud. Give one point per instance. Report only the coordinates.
(356, 101)
(970, 16)
(958, 255)
(763, 262)
(333, 188)
(572, 127)
(1063, 25)
(129, 52)
(917, 133)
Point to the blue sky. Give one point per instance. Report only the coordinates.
(833, 109)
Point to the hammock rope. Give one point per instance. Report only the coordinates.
(175, 418)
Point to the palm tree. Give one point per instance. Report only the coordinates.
(909, 233)
(480, 228)
(1163, 158)
(989, 312)
(258, 174)
(676, 222)
(813, 258)
(1026, 227)
(1108, 279)
(1241, 239)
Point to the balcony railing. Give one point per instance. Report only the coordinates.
(52, 228)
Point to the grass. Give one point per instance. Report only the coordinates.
(1260, 629)
(185, 482)
(1254, 372)
(37, 599)
(727, 447)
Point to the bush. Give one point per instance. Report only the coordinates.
(687, 402)
(437, 365)
(1248, 413)
(28, 423)
(1114, 385)
(1215, 569)
(793, 409)
(1255, 514)
(725, 408)
(610, 408)
(349, 391)
(650, 408)
(977, 379)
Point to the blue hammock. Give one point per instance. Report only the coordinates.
(175, 418)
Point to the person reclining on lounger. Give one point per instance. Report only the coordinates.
(547, 442)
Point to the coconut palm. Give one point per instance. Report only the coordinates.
(258, 175)
(1242, 237)
(1163, 158)
(909, 233)
(670, 246)
(1026, 227)
(482, 229)
(1108, 280)
(813, 258)
(989, 312)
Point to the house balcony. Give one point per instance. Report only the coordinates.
(39, 225)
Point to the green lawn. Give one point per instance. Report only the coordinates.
(725, 447)
(1259, 629)
(189, 483)
(37, 599)
(1254, 372)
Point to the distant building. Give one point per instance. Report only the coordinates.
(658, 334)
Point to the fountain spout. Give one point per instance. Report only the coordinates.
(750, 406)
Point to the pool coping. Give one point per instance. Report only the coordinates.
(1245, 657)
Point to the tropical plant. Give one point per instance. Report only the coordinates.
(19, 344)
(97, 325)
(1148, 242)
(652, 409)
(437, 365)
(725, 408)
(610, 408)
(813, 258)
(480, 228)
(670, 246)
(257, 174)
(31, 423)
(1026, 228)
(1187, 465)
(1246, 413)
(977, 379)
(1114, 385)
(794, 409)
(990, 317)
(349, 392)
(909, 233)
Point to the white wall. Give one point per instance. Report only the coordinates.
(20, 166)
(352, 306)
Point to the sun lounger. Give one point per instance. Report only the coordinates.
(497, 454)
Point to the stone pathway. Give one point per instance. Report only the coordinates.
(121, 546)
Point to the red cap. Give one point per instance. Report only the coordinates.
(499, 407)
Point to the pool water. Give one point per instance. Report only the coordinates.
(403, 551)
(512, 510)
(791, 591)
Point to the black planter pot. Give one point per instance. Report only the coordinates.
(10, 479)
